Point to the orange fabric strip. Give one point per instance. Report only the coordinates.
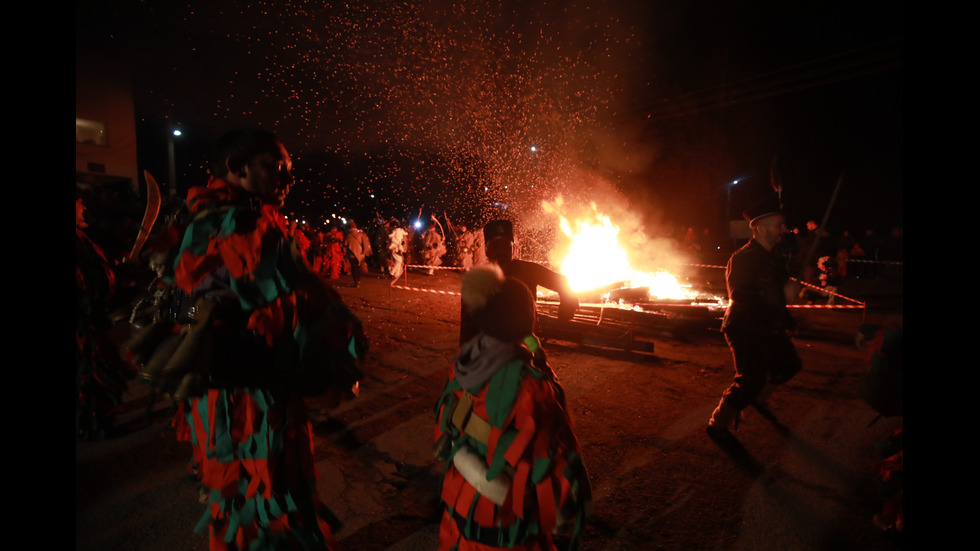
(484, 513)
(465, 499)
(527, 427)
(546, 506)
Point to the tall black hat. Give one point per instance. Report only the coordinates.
(768, 206)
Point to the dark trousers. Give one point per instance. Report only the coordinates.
(759, 359)
(355, 268)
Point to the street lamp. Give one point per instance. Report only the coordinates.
(728, 210)
(171, 161)
(728, 203)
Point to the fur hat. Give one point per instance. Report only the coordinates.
(502, 307)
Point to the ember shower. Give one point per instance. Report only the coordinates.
(450, 102)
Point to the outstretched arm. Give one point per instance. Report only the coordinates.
(558, 283)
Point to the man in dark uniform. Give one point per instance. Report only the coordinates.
(499, 237)
(757, 325)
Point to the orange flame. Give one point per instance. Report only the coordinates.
(596, 257)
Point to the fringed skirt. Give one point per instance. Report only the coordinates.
(255, 449)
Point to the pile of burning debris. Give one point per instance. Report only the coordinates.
(628, 318)
(622, 304)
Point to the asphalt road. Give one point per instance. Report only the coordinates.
(802, 482)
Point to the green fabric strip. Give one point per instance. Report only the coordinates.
(540, 469)
(498, 463)
(266, 282)
(503, 387)
(233, 523)
(202, 525)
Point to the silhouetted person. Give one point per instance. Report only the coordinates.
(499, 238)
(757, 324)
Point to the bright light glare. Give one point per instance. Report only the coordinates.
(596, 259)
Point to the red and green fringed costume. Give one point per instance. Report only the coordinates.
(532, 446)
(101, 377)
(250, 431)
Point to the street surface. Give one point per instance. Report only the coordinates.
(804, 482)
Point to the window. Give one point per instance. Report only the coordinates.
(90, 132)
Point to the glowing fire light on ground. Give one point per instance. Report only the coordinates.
(596, 259)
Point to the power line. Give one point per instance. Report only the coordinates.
(852, 64)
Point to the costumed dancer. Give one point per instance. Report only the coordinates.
(334, 247)
(358, 248)
(379, 245)
(301, 238)
(467, 243)
(101, 377)
(883, 388)
(514, 471)
(264, 332)
(317, 252)
(480, 248)
(397, 247)
(433, 246)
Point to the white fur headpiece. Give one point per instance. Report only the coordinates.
(480, 284)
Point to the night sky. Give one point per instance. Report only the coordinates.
(462, 108)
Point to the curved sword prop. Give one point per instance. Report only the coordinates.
(451, 227)
(149, 217)
(442, 231)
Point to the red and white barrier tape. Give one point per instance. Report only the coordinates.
(854, 260)
(857, 303)
(828, 306)
(434, 267)
(422, 289)
(435, 291)
(805, 284)
(825, 291)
